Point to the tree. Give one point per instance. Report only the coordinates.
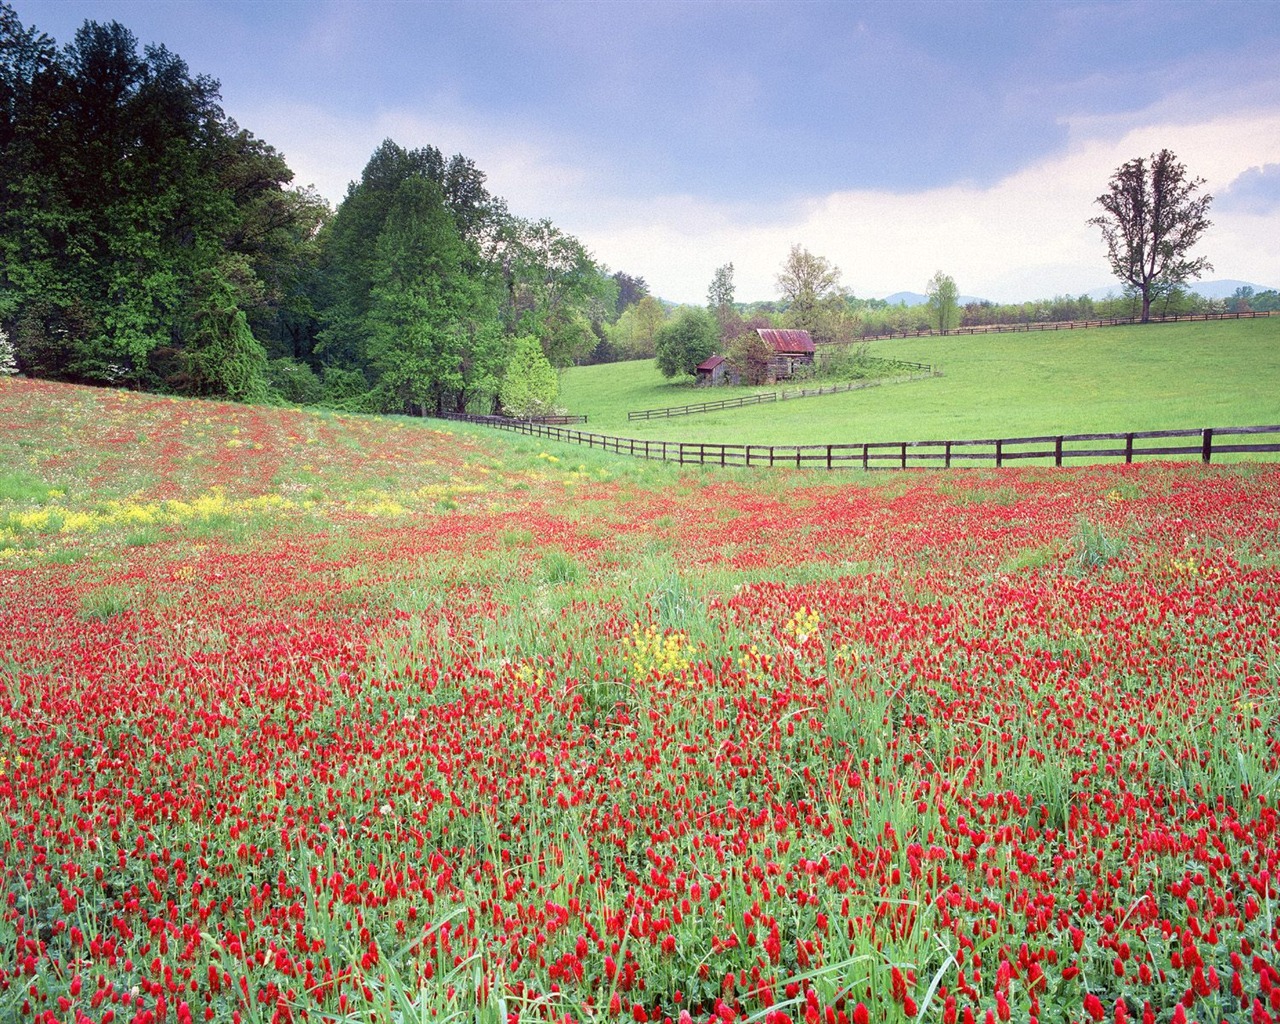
(804, 282)
(630, 291)
(943, 302)
(136, 218)
(635, 334)
(434, 340)
(685, 342)
(720, 292)
(554, 288)
(751, 356)
(8, 358)
(1153, 216)
(530, 384)
(814, 300)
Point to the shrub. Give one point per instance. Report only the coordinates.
(294, 381)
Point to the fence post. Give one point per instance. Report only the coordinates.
(904, 454)
(1128, 449)
(864, 457)
(1057, 450)
(828, 456)
(946, 458)
(999, 454)
(1206, 445)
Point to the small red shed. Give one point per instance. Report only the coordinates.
(710, 372)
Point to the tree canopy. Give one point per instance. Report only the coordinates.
(691, 338)
(1152, 217)
(147, 240)
(944, 305)
(134, 214)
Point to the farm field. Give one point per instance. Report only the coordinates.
(1157, 377)
(309, 717)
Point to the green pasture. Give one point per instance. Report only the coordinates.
(1152, 377)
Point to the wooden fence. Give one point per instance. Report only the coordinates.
(1203, 443)
(784, 395)
(1060, 325)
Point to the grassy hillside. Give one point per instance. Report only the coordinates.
(1125, 378)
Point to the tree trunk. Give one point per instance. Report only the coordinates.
(1146, 305)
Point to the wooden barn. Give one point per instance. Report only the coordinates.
(790, 348)
(710, 372)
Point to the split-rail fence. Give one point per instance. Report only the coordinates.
(1204, 443)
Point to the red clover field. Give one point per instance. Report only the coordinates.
(314, 718)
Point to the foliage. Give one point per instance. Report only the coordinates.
(123, 188)
(293, 381)
(720, 298)
(1152, 217)
(691, 338)
(530, 383)
(553, 287)
(630, 291)
(750, 356)
(224, 360)
(942, 302)
(145, 238)
(810, 289)
(8, 357)
(341, 386)
(635, 334)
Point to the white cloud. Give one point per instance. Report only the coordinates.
(1022, 237)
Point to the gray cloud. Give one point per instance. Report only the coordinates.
(1255, 191)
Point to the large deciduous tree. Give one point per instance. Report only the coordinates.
(554, 288)
(433, 337)
(810, 287)
(1153, 216)
(691, 338)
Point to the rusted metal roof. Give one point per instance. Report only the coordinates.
(791, 343)
(711, 364)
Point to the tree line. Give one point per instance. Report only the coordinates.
(148, 241)
(1153, 214)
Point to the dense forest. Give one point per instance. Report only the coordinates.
(148, 241)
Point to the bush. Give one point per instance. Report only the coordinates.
(294, 382)
(340, 387)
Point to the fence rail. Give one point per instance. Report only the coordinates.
(784, 395)
(1060, 325)
(1203, 443)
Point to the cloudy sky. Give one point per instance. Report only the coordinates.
(894, 138)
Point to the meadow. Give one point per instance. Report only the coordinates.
(326, 718)
(1152, 377)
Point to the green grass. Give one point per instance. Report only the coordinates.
(1161, 376)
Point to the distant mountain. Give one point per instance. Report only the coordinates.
(1206, 289)
(916, 299)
